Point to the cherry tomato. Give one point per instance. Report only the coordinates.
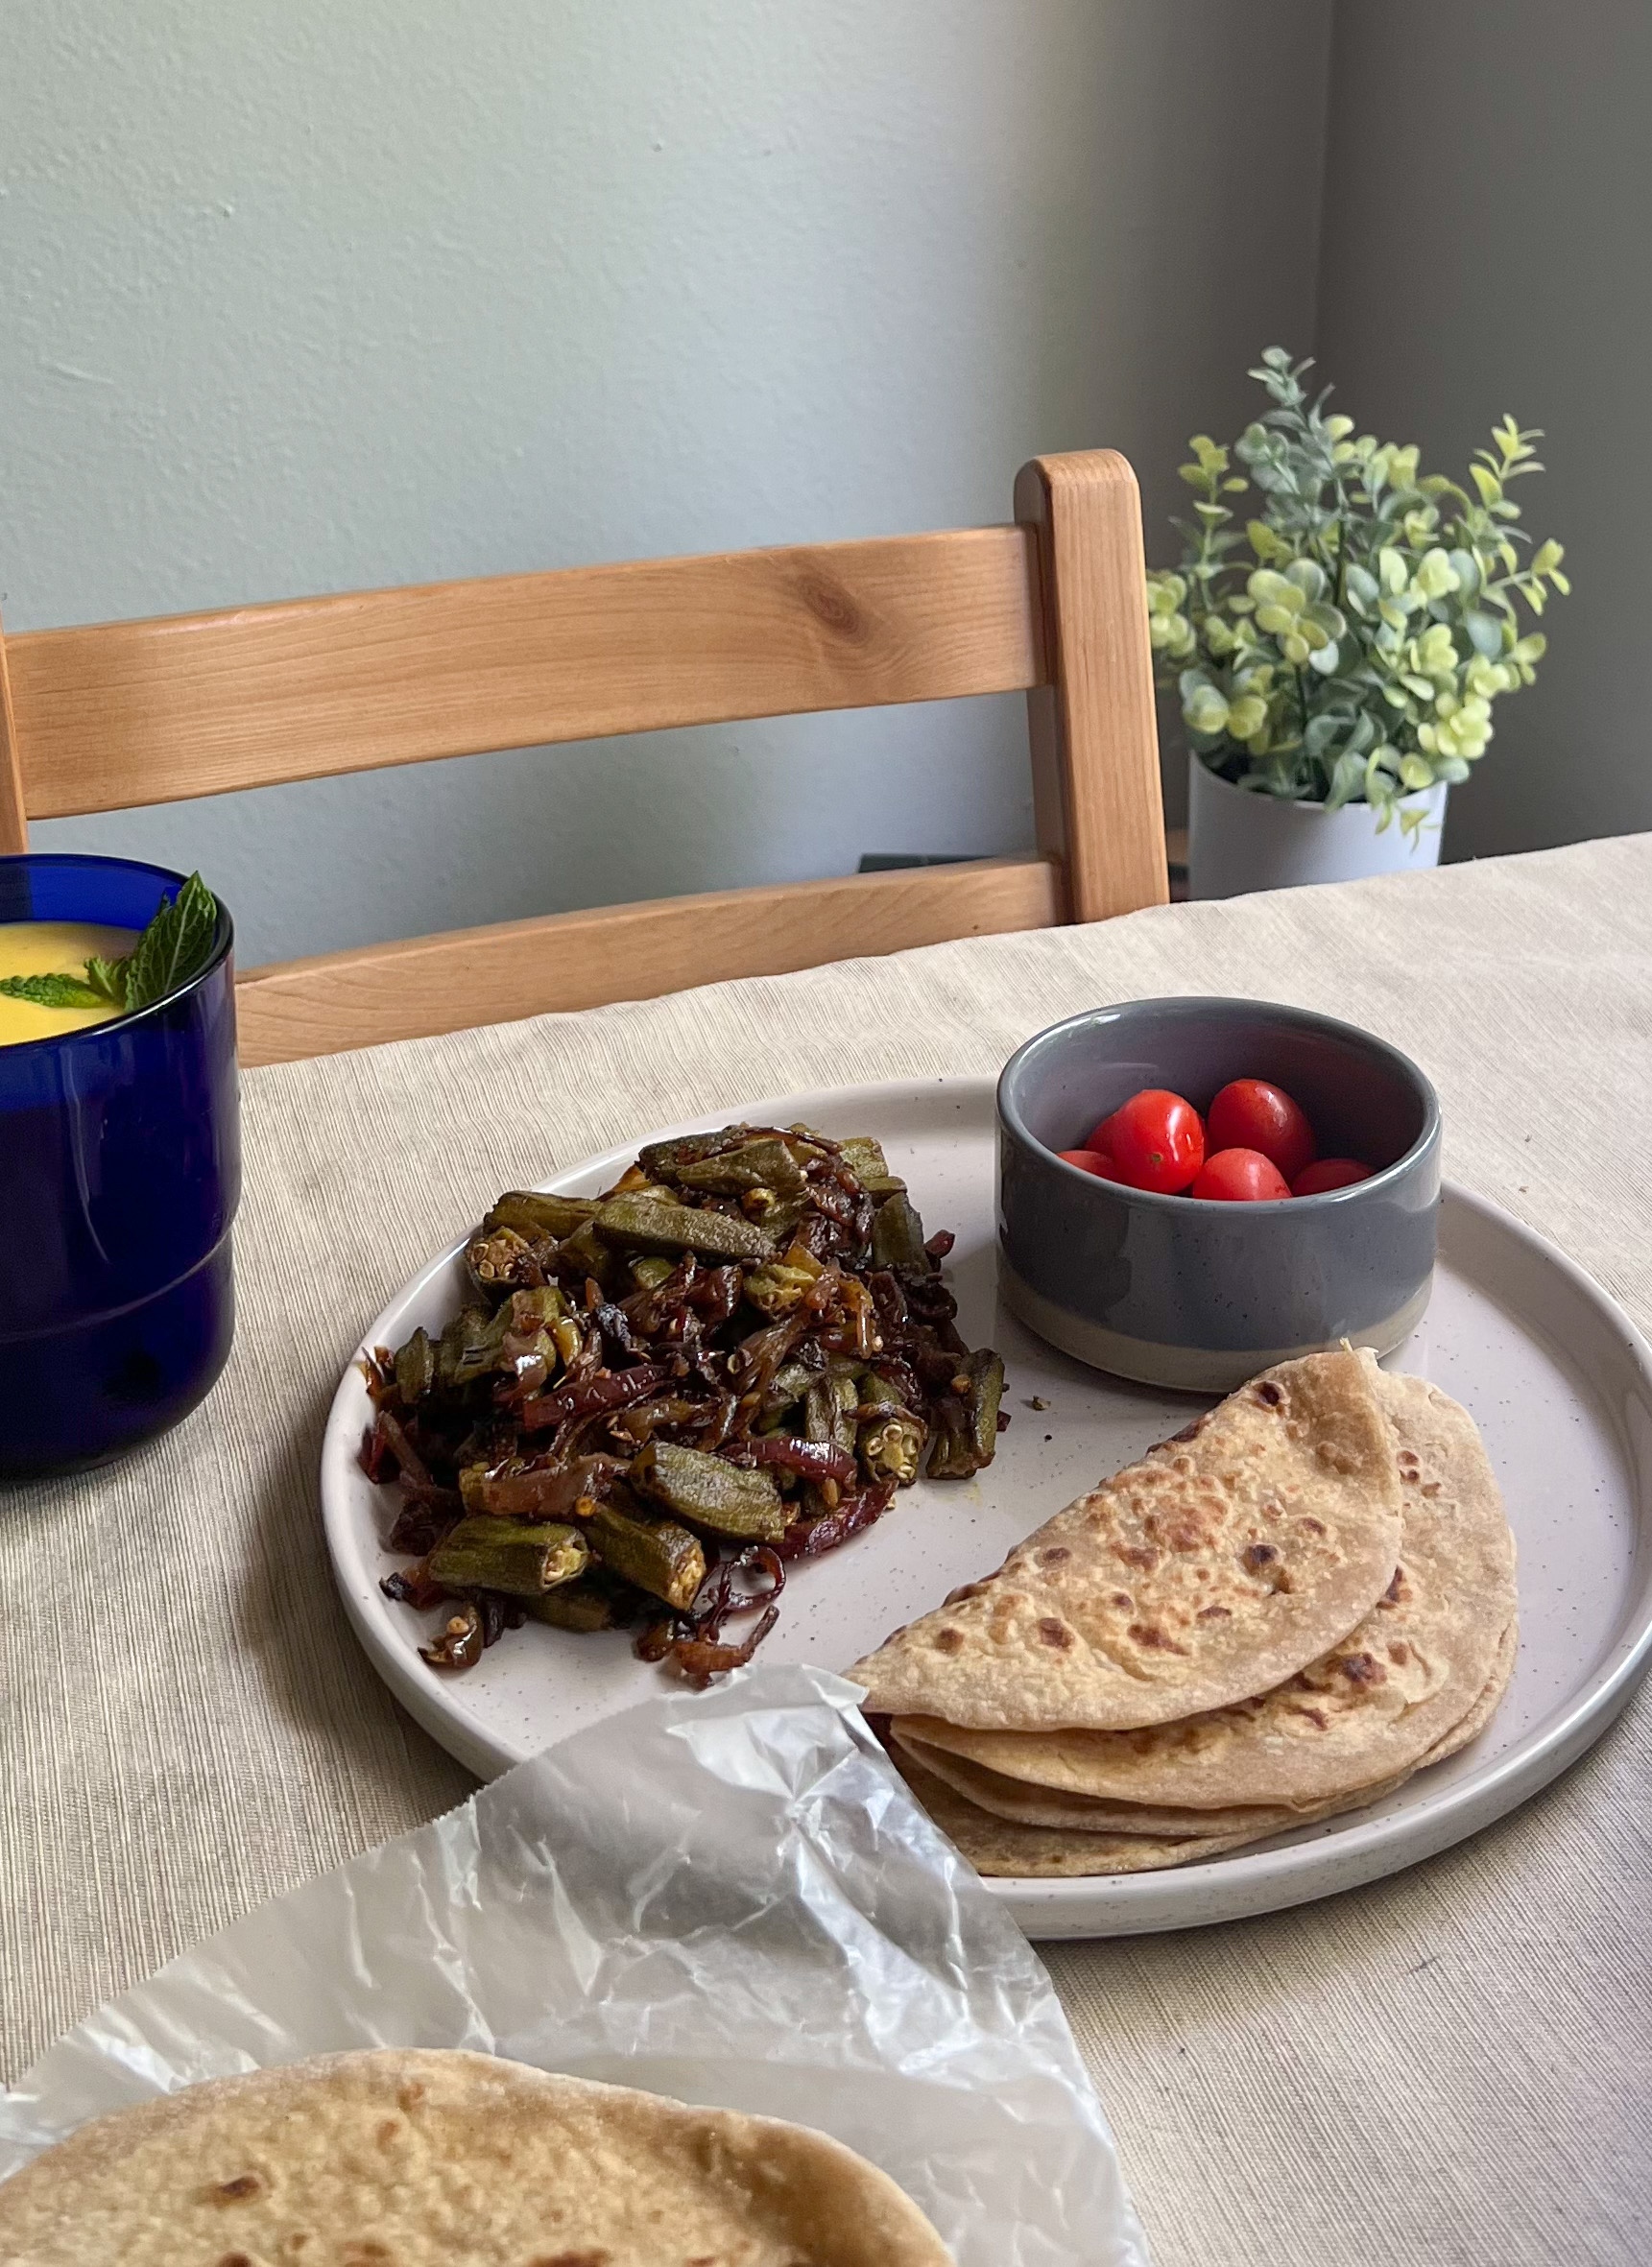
(1091, 1161)
(1241, 1177)
(1251, 1114)
(1158, 1141)
(1100, 1136)
(1329, 1173)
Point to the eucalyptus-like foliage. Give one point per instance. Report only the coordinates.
(1349, 645)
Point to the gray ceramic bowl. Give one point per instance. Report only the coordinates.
(1182, 1292)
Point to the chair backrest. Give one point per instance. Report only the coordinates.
(138, 712)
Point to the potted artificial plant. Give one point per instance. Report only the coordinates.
(1336, 663)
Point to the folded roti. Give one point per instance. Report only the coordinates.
(1217, 1567)
(1027, 1805)
(1384, 1699)
(1006, 1851)
(449, 2160)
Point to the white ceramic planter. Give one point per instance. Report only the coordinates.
(1239, 841)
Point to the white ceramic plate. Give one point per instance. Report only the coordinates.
(1555, 1375)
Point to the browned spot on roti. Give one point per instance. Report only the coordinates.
(1151, 1635)
(1313, 1526)
(410, 2095)
(1315, 1716)
(1136, 1554)
(236, 2259)
(1121, 1598)
(237, 2190)
(1431, 1487)
(1399, 1653)
(1055, 1633)
(1054, 1556)
(388, 2132)
(1263, 1561)
(969, 1590)
(591, 2259)
(1362, 1670)
(1269, 1393)
(1397, 1591)
(1215, 1614)
(949, 1640)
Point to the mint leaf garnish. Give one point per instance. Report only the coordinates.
(108, 979)
(51, 991)
(176, 945)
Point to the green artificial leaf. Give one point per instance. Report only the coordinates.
(1466, 568)
(1363, 588)
(176, 945)
(51, 991)
(1347, 778)
(1485, 633)
(1323, 732)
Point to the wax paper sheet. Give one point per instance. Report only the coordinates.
(725, 1897)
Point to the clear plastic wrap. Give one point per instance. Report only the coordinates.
(727, 1896)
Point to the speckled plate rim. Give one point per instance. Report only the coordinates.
(1341, 1854)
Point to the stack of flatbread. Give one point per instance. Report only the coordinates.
(1276, 1616)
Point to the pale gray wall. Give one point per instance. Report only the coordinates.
(297, 297)
(1488, 217)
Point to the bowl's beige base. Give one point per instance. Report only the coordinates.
(1184, 1368)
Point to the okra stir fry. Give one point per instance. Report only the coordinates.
(654, 1401)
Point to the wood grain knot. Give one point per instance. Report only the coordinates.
(832, 604)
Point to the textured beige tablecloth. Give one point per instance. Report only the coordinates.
(1447, 2069)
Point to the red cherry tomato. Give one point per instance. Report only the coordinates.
(1158, 1141)
(1091, 1161)
(1329, 1173)
(1241, 1177)
(1251, 1114)
(1100, 1136)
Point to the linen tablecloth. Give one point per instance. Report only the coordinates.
(1449, 2068)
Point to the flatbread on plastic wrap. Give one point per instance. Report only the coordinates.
(397, 2157)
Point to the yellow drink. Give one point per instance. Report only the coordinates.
(49, 948)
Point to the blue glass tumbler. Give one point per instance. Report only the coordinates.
(120, 1172)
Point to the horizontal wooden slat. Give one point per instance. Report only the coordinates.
(146, 712)
(583, 960)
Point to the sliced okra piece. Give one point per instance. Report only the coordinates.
(703, 1488)
(487, 1554)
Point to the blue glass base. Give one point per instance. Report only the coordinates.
(91, 1392)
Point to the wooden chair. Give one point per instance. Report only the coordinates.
(145, 712)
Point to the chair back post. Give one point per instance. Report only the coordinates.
(1097, 801)
(14, 820)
